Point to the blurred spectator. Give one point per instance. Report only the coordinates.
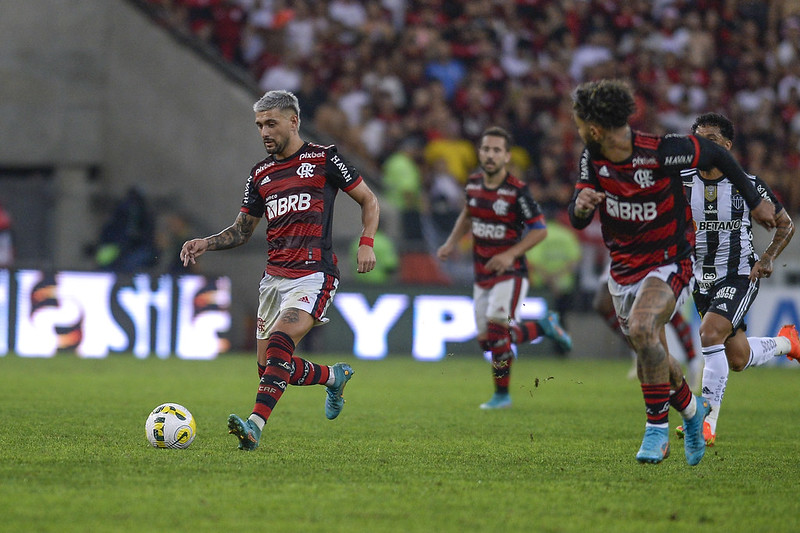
(452, 66)
(127, 239)
(446, 143)
(444, 68)
(445, 199)
(554, 266)
(402, 186)
(7, 251)
(286, 75)
(173, 230)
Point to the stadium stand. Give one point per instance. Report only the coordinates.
(373, 74)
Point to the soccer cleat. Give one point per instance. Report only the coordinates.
(694, 445)
(246, 431)
(709, 437)
(655, 445)
(498, 401)
(552, 329)
(790, 332)
(334, 402)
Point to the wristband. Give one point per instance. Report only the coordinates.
(369, 241)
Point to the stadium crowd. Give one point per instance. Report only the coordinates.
(409, 85)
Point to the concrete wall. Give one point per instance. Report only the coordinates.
(109, 100)
(104, 99)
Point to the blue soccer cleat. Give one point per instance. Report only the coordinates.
(498, 401)
(655, 445)
(694, 443)
(246, 431)
(334, 402)
(552, 329)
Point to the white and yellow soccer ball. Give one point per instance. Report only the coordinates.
(170, 425)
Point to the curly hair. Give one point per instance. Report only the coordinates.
(715, 120)
(607, 103)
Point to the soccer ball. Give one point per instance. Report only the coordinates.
(170, 425)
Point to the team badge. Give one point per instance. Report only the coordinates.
(738, 202)
(500, 207)
(306, 170)
(711, 193)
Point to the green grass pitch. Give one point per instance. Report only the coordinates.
(410, 452)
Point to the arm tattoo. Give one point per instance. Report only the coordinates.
(234, 235)
(783, 234)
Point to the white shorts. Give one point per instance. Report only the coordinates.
(673, 275)
(312, 294)
(500, 303)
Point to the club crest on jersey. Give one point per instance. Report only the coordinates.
(738, 201)
(710, 193)
(306, 170)
(643, 177)
(500, 207)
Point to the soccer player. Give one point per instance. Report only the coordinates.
(505, 223)
(728, 272)
(294, 188)
(632, 178)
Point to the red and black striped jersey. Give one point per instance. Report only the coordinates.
(296, 195)
(499, 219)
(646, 219)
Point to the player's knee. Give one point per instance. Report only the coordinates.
(641, 335)
(711, 336)
(737, 361)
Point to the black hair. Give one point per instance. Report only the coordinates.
(607, 103)
(715, 120)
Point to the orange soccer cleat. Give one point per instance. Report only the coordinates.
(709, 437)
(790, 332)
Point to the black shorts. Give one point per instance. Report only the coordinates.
(730, 297)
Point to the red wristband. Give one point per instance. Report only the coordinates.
(369, 241)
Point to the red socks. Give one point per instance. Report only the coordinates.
(276, 375)
(657, 402)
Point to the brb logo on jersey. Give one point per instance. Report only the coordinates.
(636, 212)
(294, 202)
(484, 230)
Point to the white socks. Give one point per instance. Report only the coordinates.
(691, 409)
(715, 378)
(763, 349)
(331, 378)
(257, 420)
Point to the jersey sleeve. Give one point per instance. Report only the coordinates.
(252, 203)
(339, 172)
(766, 193)
(677, 152)
(530, 211)
(586, 179)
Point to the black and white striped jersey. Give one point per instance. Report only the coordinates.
(724, 239)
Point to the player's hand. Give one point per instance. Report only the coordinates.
(500, 262)
(193, 249)
(587, 200)
(444, 251)
(762, 269)
(365, 258)
(764, 214)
